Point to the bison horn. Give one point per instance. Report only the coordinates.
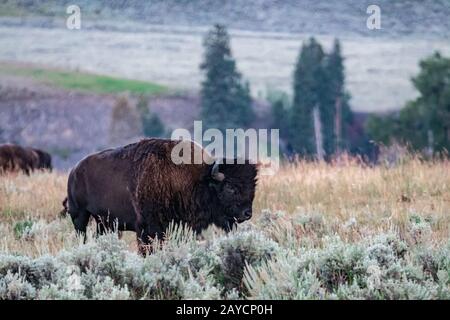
(216, 175)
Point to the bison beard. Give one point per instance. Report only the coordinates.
(139, 188)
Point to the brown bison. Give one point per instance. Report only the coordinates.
(15, 158)
(139, 188)
(44, 160)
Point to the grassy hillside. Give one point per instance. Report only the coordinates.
(320, 231)
(81, 81)
(345, 16)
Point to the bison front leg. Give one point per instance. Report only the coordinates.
(146, 240)
(147, 228)
(143, 245)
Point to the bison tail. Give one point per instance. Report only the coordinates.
(63, 212)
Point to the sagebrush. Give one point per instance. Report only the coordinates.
(320, 231)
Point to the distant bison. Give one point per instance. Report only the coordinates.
(15, 158)
(139, 188)
(45, 160)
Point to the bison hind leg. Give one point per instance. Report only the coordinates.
(80, 221)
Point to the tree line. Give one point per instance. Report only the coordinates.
(317, 122)
(319, 93)
(424, 123)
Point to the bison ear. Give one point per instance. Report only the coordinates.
(216, 174)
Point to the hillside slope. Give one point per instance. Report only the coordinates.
(343, 17)
(71, 122)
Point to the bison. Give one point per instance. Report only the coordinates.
(16, 158)
(44, 160)
(139, 188)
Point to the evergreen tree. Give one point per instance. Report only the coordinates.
(152, 125)
(381, 128)
(280, 108)
(423, 124)
(334, 101)
(125, 122)
(433, 104)
(319, 81)
(226, 101)
(279, 115)
(309, 86)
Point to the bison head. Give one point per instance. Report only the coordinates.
(45, 160)
(234, 185)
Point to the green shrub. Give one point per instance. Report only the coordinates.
(15, 287)
(22, 229)
(237, 250)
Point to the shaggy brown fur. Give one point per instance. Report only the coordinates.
(44, 159)
(15, 158)
(139, 188)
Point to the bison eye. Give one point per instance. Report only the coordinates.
(229, 190)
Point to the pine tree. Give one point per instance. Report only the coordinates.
(433, 105)
(423, 124)
(125, 122)
(309, 85)
(152, 125)
(332, 100)
(278, 114)
(280, 108)
(226, 101)
(336, 110)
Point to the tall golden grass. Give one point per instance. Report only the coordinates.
(377, 198)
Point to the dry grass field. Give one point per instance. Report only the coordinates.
(377, 197)
(325, 220)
